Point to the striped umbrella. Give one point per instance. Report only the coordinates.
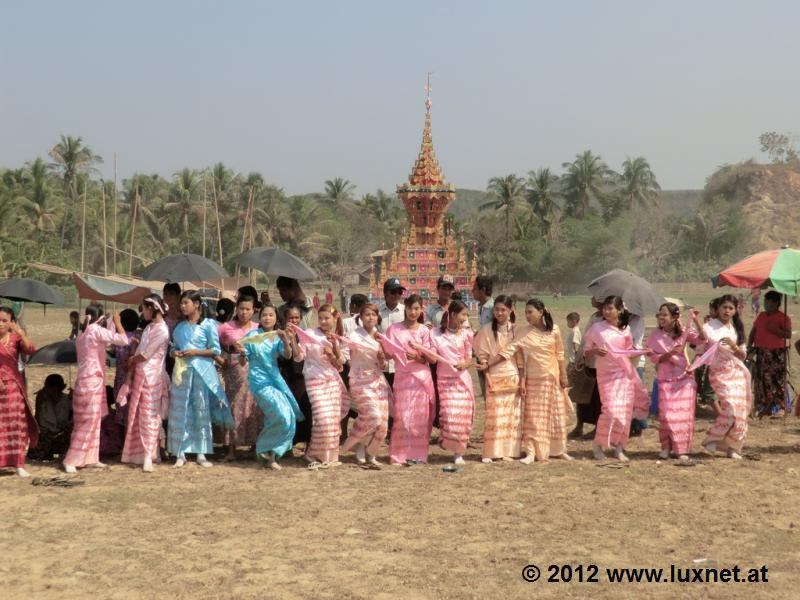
(778, 269)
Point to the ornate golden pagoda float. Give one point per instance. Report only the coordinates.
(428, 248)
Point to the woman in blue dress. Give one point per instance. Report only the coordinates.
(196, 396)
(274, 398)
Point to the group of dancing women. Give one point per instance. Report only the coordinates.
(268, 381)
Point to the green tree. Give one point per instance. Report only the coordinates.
(507, 192)
(586, 178)
(338, 191)
(541, 193)
(38, 212)
(71, 157)
(638, 183)
(183, 204)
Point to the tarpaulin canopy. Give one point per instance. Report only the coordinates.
(92, 287)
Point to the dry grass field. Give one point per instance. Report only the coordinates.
(240, 531)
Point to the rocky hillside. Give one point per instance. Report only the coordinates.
(770, 199)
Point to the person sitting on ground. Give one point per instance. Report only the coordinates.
(54, 417)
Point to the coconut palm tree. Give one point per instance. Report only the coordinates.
(639, 185)
(71, 157)
(541, 193)
(506, 191)
(586, 178)
(338, 191)
(37, 211)
(183, 204)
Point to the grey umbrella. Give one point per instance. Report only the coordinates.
(639, 296)
(58, 353)
(29, 290)
(184, 267)
(276, 262)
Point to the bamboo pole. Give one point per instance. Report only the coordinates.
(83, 231)
(216, 212)
(245, 230)
(105, 233)
(114, 200)
(205, 203)
(133, 230)
(252, 277)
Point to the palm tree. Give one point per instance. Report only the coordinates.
(71, 157)
(541, 198)
(37, 212)
(587, 177)
(506, 191)
(639, 185)
(182, 204)
(338, 191)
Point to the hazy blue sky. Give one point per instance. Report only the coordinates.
(306, 91)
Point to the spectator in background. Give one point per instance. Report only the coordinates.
(329, 296)
(75, 324)
(315, 301)
(391, 312)
(350, 323)
(755, 300)
(572, 338)
(292, 295)
(343, 299)
(767, 340)
(482, 292)
(445, 286)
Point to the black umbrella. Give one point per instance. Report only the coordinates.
(184, 267)
(639, 296)
(277, 262)
(58, 353)
(29, 290)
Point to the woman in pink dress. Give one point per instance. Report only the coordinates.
(246, 414)
(730, 379)
(413, 407)
(453, 342)
(323, 359)
(677, 389)
(89, 395)
(148, 387)
(18, 428)
(622, 394)
(369, 390)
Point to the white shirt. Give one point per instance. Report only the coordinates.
(571, 340)
(715, 331)
(388, 318)
(349, 325)
(636, 324)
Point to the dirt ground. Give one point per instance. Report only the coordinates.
(241, 531)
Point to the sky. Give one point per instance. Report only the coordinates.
(306, 91)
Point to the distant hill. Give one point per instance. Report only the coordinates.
(681, 203)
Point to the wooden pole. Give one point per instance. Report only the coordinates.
(114, 200)
(105, 233)
(252, 239)
(245, 229)
(216, 211)
(133, 230)
(83, 231)
(205, 203)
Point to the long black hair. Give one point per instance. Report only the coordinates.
(196, 297)
(455, 307)
(410, 301)
(624, 315)
(508, 302)
(737, 320)
(94, 312)
(546, 316)
(675, 312)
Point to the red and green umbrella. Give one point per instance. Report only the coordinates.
(778, 269)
